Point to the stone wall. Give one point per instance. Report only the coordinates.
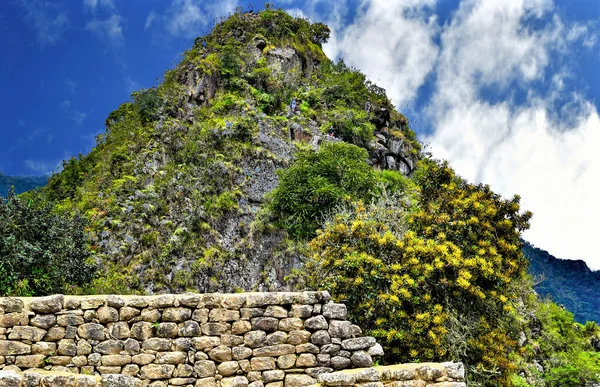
(201, 340)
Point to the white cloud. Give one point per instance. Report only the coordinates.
(71, 113)
(109, 30)
(131, 86)
(149, 20)
(41, 167)
(93, 5)
(502, 107)
(391, 42)
(72, 85)
(49, 21)
(189, 18)
(528, 148)
(186, 18)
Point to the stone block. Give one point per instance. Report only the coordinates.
(298, 380)
(236, 381)
(276, 338)
(47, 305)
(320, 338)
(91, 303)
(67, 347)
(70, 319)
(361, 359)
(215, 328)
(43, 348)
(55, 334)
(205, 342)
(115, 360)
(267, 324)
(141, 330)
(43, 321)
(120, 330)
(298, 337)
(143, 358)
(358, 343)
(12, 348)
(206, 382)
(240, 327)
(10, 320)
(316, 323)
(291, 324)
(109, 347)
(205, 368)
(91, 331)
(337, 379)
(150, 315)
(273, 376)
(275, 311)
(11, 305)
(274, 350)
(117, 381)
(262, 363)
(228, 368)
(189, 329)
(167, 330)
(27, 333)
(220, 353)
(301, 311)
(286, 361)
(176, 314)
(171, 357)
(128, 313)
(157, 371)
(335, 311)
(306, 360)
(30, 361)
(157, 344)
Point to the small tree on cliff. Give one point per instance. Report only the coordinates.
(40, 251)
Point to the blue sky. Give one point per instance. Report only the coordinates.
(508, 91)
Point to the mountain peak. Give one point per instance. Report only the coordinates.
(177, 188)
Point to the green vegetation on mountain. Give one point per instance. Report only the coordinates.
(41, 252)
(260, 164)
(568, 282)
(20, 183)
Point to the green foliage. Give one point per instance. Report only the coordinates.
(318, 181)
(351, 125)
(64, 184)
(563, 347)
(42, 252)
(444, 289)
(147, 103)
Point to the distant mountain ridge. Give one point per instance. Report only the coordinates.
(21, 183)
(568, 282)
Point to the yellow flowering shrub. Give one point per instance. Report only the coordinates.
(443, 286)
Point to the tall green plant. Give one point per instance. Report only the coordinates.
(41, 252)
(317, 182)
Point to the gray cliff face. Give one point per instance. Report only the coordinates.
(241, 249)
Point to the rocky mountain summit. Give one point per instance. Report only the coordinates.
(176, 189)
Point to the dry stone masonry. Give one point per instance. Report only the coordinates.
(198, 340)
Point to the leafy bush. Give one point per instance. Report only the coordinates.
(317, 182)
(147, 103)
(42, 252)
(444, 289)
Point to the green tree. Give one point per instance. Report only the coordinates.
(317, 182)
(40, 252)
